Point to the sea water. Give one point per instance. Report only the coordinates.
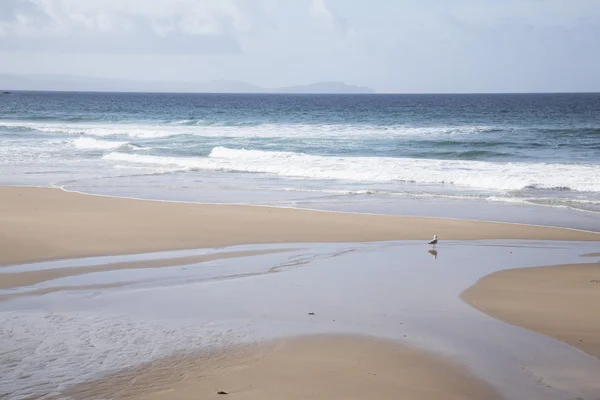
(369, 153)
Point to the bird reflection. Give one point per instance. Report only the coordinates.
(434, 253)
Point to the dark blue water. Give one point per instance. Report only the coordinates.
(539, 148)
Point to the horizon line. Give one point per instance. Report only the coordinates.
(11, 91)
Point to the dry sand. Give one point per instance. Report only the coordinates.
(314, 367)
(561, 301)
(43, 224)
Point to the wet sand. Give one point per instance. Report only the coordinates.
(43, 224)
(393, 290)
(55, 289)
(324, 367)
(591, 255)
(12, 280)
(48, 224)
(558, 301)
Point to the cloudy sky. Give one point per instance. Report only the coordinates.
(389, 45)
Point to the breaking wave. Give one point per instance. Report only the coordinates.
(95, 144)
(164, 130)
(476, 174)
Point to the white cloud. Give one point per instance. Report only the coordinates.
(406, 46)
(55, 22)
(186, 16)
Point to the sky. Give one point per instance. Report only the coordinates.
(400, 46)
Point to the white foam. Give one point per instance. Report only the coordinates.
(147, 131)
(310, 131)
(88, 143)
(476, 174)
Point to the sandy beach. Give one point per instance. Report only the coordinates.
(559, 301)
(315, 367)
(49, 224)
(43, 224)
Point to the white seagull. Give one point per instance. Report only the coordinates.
(434, 241)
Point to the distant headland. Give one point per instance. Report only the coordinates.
(74, 83)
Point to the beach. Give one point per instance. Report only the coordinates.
(56, 247)
(559, 301)
(316, 367)
(43, 224)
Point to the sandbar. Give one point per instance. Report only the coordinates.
(559, 301)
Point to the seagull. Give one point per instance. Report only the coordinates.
(434, 241)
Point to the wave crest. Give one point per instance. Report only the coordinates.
(475, 174)
(150, 130)
(87, 143)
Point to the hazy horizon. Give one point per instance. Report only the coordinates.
(430, 46)
(69, 83)
(198, 87)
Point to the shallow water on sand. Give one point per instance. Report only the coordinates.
(399, 290)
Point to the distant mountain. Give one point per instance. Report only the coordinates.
(75, 83)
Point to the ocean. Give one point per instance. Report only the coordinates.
(530, 158)
(496, 156)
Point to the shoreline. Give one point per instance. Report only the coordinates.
(43, 224)
(311, 209)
